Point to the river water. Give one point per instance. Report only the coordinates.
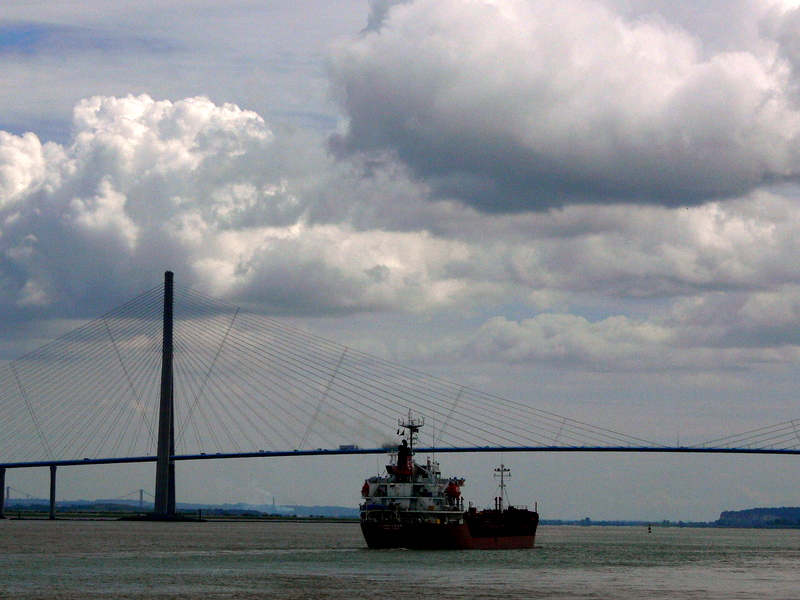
(68, 560)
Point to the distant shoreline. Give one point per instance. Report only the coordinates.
(98, 516)
(754, 518)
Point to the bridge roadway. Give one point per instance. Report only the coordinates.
(54, 464)
(334, 452)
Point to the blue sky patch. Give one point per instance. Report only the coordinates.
(30, 38)
(21, 36)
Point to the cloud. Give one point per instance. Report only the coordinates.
(523, 105)
(73, 216)
(22, 166)
(623, 344)
(768, 320)
(266, 218)
(332, 269)
(658, 253)
(568, 339)
(210, 192)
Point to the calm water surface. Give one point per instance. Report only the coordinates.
(104, 559)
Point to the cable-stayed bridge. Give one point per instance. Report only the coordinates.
(240, 384)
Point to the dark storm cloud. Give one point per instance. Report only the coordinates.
(532, 105)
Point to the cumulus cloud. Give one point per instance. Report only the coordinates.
(657, 253)
(23, 161)
(520, 105)
(334, 269)
(210, 192)
(565, 339)
(266, 218)
(671, 342)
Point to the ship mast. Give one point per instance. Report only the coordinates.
(413, 426)
(501, 473)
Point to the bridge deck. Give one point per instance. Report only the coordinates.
(359, 451)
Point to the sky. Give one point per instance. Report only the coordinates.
(588, 206)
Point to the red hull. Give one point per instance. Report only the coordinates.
(488, 532)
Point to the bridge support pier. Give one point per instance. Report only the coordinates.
(52, 492)
(2, 492)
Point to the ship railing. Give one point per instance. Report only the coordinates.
(381, 508)
(455, 505)
(394, 496)
(405, 515)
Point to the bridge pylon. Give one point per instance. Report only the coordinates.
(164, 508)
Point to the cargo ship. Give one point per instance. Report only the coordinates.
(414, 507)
